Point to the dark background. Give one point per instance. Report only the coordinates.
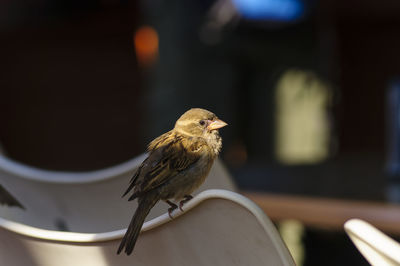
(73, 96)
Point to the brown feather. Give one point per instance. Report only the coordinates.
(178, 162)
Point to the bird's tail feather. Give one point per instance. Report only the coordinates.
(129, 240)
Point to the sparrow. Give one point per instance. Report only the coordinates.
(178, 163)
(7, 199)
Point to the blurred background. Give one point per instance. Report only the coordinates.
(309, 88)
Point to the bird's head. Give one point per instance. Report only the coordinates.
(199, 122)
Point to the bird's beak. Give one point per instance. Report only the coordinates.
(216, 124)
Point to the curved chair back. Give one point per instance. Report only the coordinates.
(375, 246)
(81, 202)
(218, 227)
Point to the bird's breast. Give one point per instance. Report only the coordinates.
(187, 181)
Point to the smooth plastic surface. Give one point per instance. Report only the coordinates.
(375, 246)
(81, 202)
(218, 227)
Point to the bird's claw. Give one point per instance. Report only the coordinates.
(171, 209)
(182, 202)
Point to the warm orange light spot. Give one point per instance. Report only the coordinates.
(146, 45)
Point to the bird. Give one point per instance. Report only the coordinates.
(7, 199)
(178, 162)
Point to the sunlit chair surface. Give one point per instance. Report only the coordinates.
(217, 227)
(375, 246)
(81, 202)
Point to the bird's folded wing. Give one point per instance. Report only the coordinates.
(165, 163)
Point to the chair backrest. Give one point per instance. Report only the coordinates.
(81, 202)
(218, 227)
(375, 246)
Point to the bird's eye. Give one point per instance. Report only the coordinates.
(202, 122)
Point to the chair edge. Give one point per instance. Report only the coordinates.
(41, 175)
(52, 235)
(356, 227)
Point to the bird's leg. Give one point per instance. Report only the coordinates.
(186, 198)
(172, 208)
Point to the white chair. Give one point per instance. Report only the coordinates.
(218, 227)
(81, 202)
(5, 197)
(375, 246)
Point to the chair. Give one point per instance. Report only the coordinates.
(375, 246)
(81, 202)
(5, 197)
(218, 227)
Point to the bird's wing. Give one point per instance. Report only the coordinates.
(160, 141)
(134, 178)
(163, 163)
(8, 199)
